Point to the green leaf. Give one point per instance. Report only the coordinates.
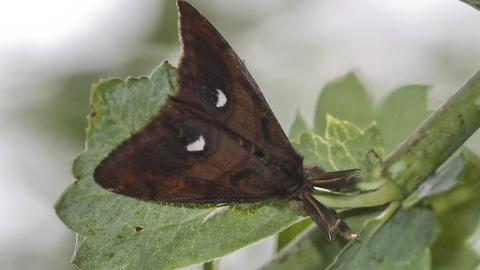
(119, 109)
(442, 180)
(346, 99)
(299, 124)
(345, 146)
(399, 242)
(129, 233)
(310, 250)
(287, 235)
(458, 216)
(400, 113)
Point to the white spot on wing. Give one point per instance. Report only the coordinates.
(221, 99)
(197, 145)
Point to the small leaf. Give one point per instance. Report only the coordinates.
(346, 99)
(348, 142)
(444, 179)
(299, 124)
(458, 216)
(400, 113)
(129, 233)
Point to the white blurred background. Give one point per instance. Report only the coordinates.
(51, 51)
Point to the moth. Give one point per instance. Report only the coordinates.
(216, 140)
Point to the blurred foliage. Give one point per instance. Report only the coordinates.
(474, 3)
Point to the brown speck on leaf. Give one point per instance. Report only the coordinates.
(93, 113)
(375, 155)
(283, 258)
(418, 176)
(139, 228)
(442, 109)
(420, 130)
(449, 135)
(413, 151)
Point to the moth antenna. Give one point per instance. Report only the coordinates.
(325, 218)
(335, 180)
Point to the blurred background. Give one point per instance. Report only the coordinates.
(51, 52)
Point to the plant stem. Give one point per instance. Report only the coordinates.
(387, 193)
(437, 138)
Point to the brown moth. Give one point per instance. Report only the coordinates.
(216, 140)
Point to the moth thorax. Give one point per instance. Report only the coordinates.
(292, 186)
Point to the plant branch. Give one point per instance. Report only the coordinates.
(437, 138)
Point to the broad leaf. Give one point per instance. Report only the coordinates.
(397, 115)
(129, 233)
(401, 242)
(400, 113)
(310, 250)
(299, 125)
(458, 216)
(345, 98)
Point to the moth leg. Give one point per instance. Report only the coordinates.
(217, 210)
